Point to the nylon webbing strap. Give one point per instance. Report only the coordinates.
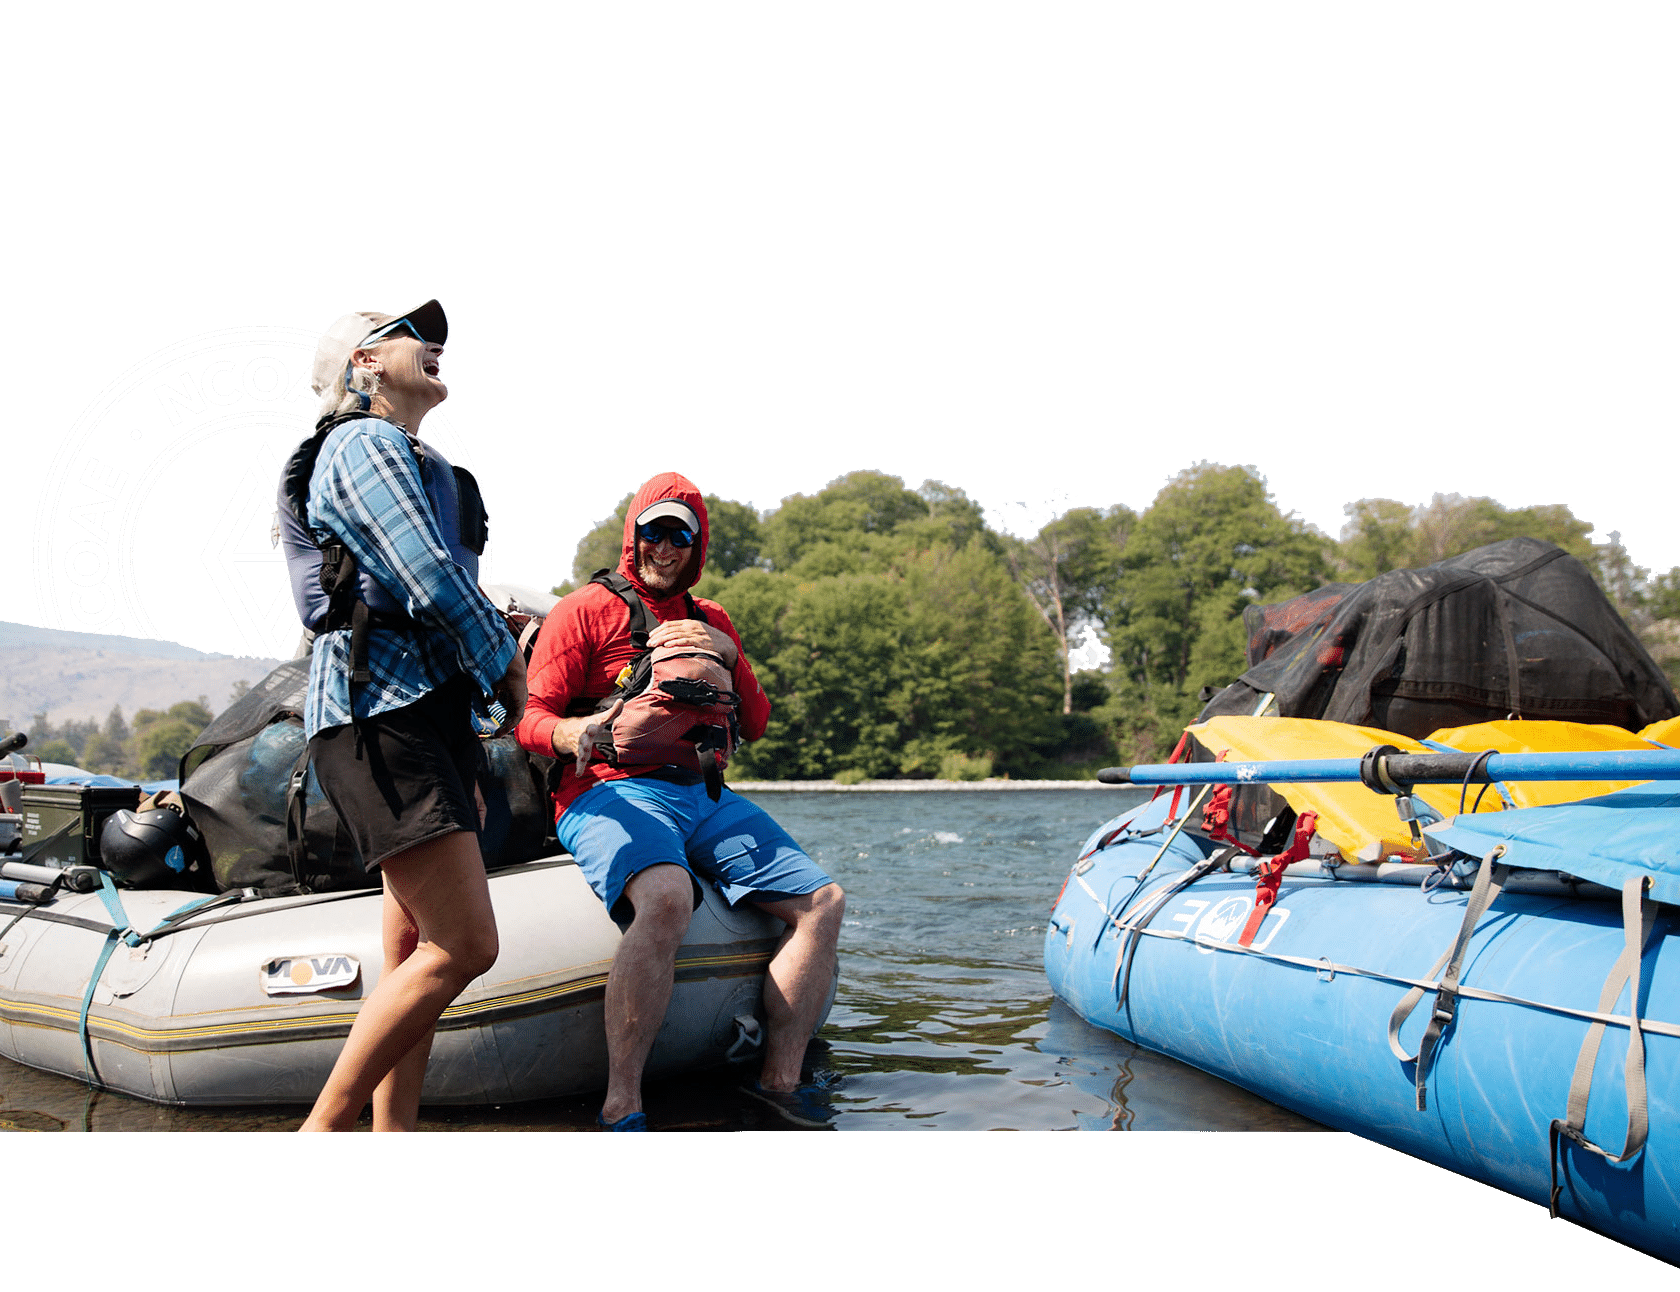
(359, 672)
(121, 931)
(297, 816)
(1328, 970)
(1135, 925)
(1166, 843)
(114, 908)
(1639, 920)
(1490, 879)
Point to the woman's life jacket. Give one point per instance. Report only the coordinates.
(328, 587)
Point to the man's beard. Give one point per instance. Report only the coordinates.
(661, 583)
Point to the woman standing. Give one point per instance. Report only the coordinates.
(384, 567)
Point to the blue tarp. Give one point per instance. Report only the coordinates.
(65, 774)
(1608, 840)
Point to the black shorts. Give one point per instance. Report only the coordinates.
(400, 778)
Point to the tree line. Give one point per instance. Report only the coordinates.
(898, 634)
(148, 748)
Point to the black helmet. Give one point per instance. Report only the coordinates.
(149, 849)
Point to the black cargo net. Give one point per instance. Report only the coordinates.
(1513, 629)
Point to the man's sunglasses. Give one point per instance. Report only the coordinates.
(676, 536)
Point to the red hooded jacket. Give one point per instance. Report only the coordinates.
(585, 642)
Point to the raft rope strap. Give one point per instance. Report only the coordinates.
(1490, 880)
(1471, 772)
(1269, 874)
(1639, 921)
(1173, 758)
(122, 930)
(1216, 821)
(1327, 969)
(1085, 863)
(1138, 923)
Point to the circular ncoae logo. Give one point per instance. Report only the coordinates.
(159, 505)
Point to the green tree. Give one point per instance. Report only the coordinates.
(756, 599)
(196, 712)
(106, 750)
(1376, 539)
(1649, 606)
(841, 527)
(601, 547)
(1382, 534)
(1143, 727)
(105, 755)
(836, 679)
(734, 537)
(986, 671)
(161, 736)
(56, 751)
(1066, 569)
(935, 665)
(158, 746)
(1450, 524)
(953, 518)
(1661, 635)
(1212, 542)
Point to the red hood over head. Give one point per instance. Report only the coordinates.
(667, 484)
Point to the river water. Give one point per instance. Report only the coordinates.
(943, 1020)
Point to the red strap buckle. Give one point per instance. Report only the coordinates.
(1269, 874)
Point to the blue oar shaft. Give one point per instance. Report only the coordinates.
(1384, 772)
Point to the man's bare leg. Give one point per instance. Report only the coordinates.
(639, 984)
(797, 981)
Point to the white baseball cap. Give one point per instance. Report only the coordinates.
(670, 508)
(332, 354)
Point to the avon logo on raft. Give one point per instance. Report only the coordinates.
(157, 518)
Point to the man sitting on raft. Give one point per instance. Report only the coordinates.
(645, 835)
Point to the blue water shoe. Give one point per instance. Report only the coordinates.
(805, 1105)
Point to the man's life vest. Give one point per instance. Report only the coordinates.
(328, 587)
(680, 708)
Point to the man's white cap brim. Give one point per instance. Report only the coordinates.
(670, 508)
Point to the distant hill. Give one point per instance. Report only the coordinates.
(70, 675)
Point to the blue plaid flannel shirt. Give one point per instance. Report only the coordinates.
(366, 489)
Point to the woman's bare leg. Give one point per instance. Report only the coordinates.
(396, 1099)
(441, 884)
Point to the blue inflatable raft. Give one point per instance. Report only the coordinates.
(1474, 1012)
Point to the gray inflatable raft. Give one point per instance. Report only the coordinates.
(250, 1003)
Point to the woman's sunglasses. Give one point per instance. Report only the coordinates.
(391, 329)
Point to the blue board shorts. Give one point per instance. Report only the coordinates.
(621, 827)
